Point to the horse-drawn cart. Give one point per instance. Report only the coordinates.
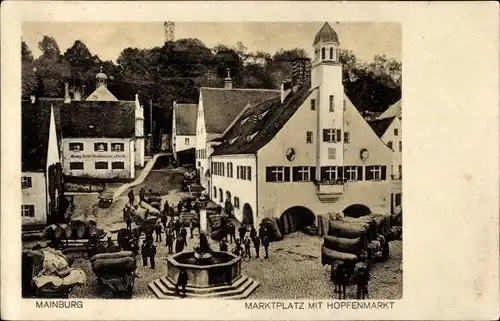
(115, 272)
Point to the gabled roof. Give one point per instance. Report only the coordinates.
(185, 119)
(35, 127)
(221, 106)
(265, 120)
(380, 126)
(110, 119)
(393, 111)
(101, 93)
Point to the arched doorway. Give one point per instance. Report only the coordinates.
(247, 214)
(357, 210)
(295, 219)
(228, 196)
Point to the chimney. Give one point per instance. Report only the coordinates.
(286, 89)
(67, 98)
(228, 83)
(301, 73)
(33, 99)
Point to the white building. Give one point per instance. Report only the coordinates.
(388, 128)
(217, 108)
(183, 129)
(41, 179)
(305, 152)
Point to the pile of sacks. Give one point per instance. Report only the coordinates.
(218, 224)
(55, 272)
(78, 228)
(350, 239)
(113, 264)
(186, 217)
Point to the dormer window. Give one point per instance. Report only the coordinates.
(101, 147)
(244, 120)
(231, 141)
(76, 147)
(250, 137)
(263, 114)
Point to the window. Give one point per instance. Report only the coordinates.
(332, 153)
(228, 196)
(329, 135)
(238, 172)
(277, 174)
(323, 53)
(228, 170)
(249, 173)
(75, 165)
(186, 141)
(309, 137)
(331, 103)
(353, 173)
(221, 197)
(236, 202)
(339, 135)
(398, 199)
(331, 53)
(313, 104)
(28, 210)
(26, 182)
(375, 173)
(215, 193)
(301, 174)
(117, 147)
(76, 147)
(346, 137)
(101, 147)
(223, 169)
(389, 144)
(330, 173)
(101, 165)
(117, 165)
(400, 169)
(396, 132)
(400, 146)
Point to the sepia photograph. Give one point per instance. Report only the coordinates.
(249, 160)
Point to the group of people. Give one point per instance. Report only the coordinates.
(257, 239)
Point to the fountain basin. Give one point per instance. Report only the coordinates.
(222, 268)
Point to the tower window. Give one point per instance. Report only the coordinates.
(331, 53)
(313, 104)
(309, 137)
(332, 106)
(323, 53)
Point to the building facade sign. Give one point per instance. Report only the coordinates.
(78, 156)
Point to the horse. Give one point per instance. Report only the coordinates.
(361, 277)
(339, 274)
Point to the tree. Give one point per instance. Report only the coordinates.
(28, 77)
(49, 47)
(26, 54)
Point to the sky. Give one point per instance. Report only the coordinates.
(108, 39)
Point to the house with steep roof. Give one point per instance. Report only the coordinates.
(217, 109)
(389, 129)
(41, 178)
(305, 152)
(184, 132)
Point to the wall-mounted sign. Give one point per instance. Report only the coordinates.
(90, 156)
(290, 154)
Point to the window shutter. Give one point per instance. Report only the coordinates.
(295, 174)
(249, 173)
(238, 171)
(269, 174)
(339, 135)
(368, 173)
(392, 203)
(323, 174)
(312, 173)
(32, 210)
(383, 173)
(340, 172)
(325, 135)
(360, 173)
(287, 173)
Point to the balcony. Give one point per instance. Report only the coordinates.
(329, 191)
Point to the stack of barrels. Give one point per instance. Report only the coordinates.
(78, 228)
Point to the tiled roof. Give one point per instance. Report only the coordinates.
(35, 126)
(221, 106)
(380, 126)
(258, 124)
(101, 93)
(393, 111)
(185, 119)
(110, 119)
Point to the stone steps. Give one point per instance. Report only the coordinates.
(163, 288)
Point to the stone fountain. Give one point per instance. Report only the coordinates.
(212, 274)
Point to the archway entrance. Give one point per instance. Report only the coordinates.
(247, 214)
(295, 219)
(357, 210)
(228, 196)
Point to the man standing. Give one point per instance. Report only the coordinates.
(196, 208)
(179, 244)
(242, 231)
(131, 197)
(256, 244)
(142, 195)
(152, 254)
(177, 228)
(145, 253)
(228, 207)
(129, 223)
(231, 231)
(191, 226)
(247, 242)
(170, 239)
(182, 282)
(265, 242)
(179, 208)
(158, 231)
(183, 234)
(253, 233)
(223, 245)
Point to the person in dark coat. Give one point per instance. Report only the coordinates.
(158, 231)
(182, 282)
(152, 254)
(129, 223)
(231, 232)
(189, 207)
(164, 219)
(192, 225)
(172, 211)
(223, 245)
(142, 195)
(170, 239)
(177, 228)
(253, 233)
(179, 208)
(237, 247)
(145, 253)
(179, 244)
(196, 208)
(256, 245)
(166, 208)
(183, 234)
(111, 244)
(247, 243)
(219, 209)
(242, 231)
(265, 242)
(131, 197)
(149, 234)
(228, 207)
